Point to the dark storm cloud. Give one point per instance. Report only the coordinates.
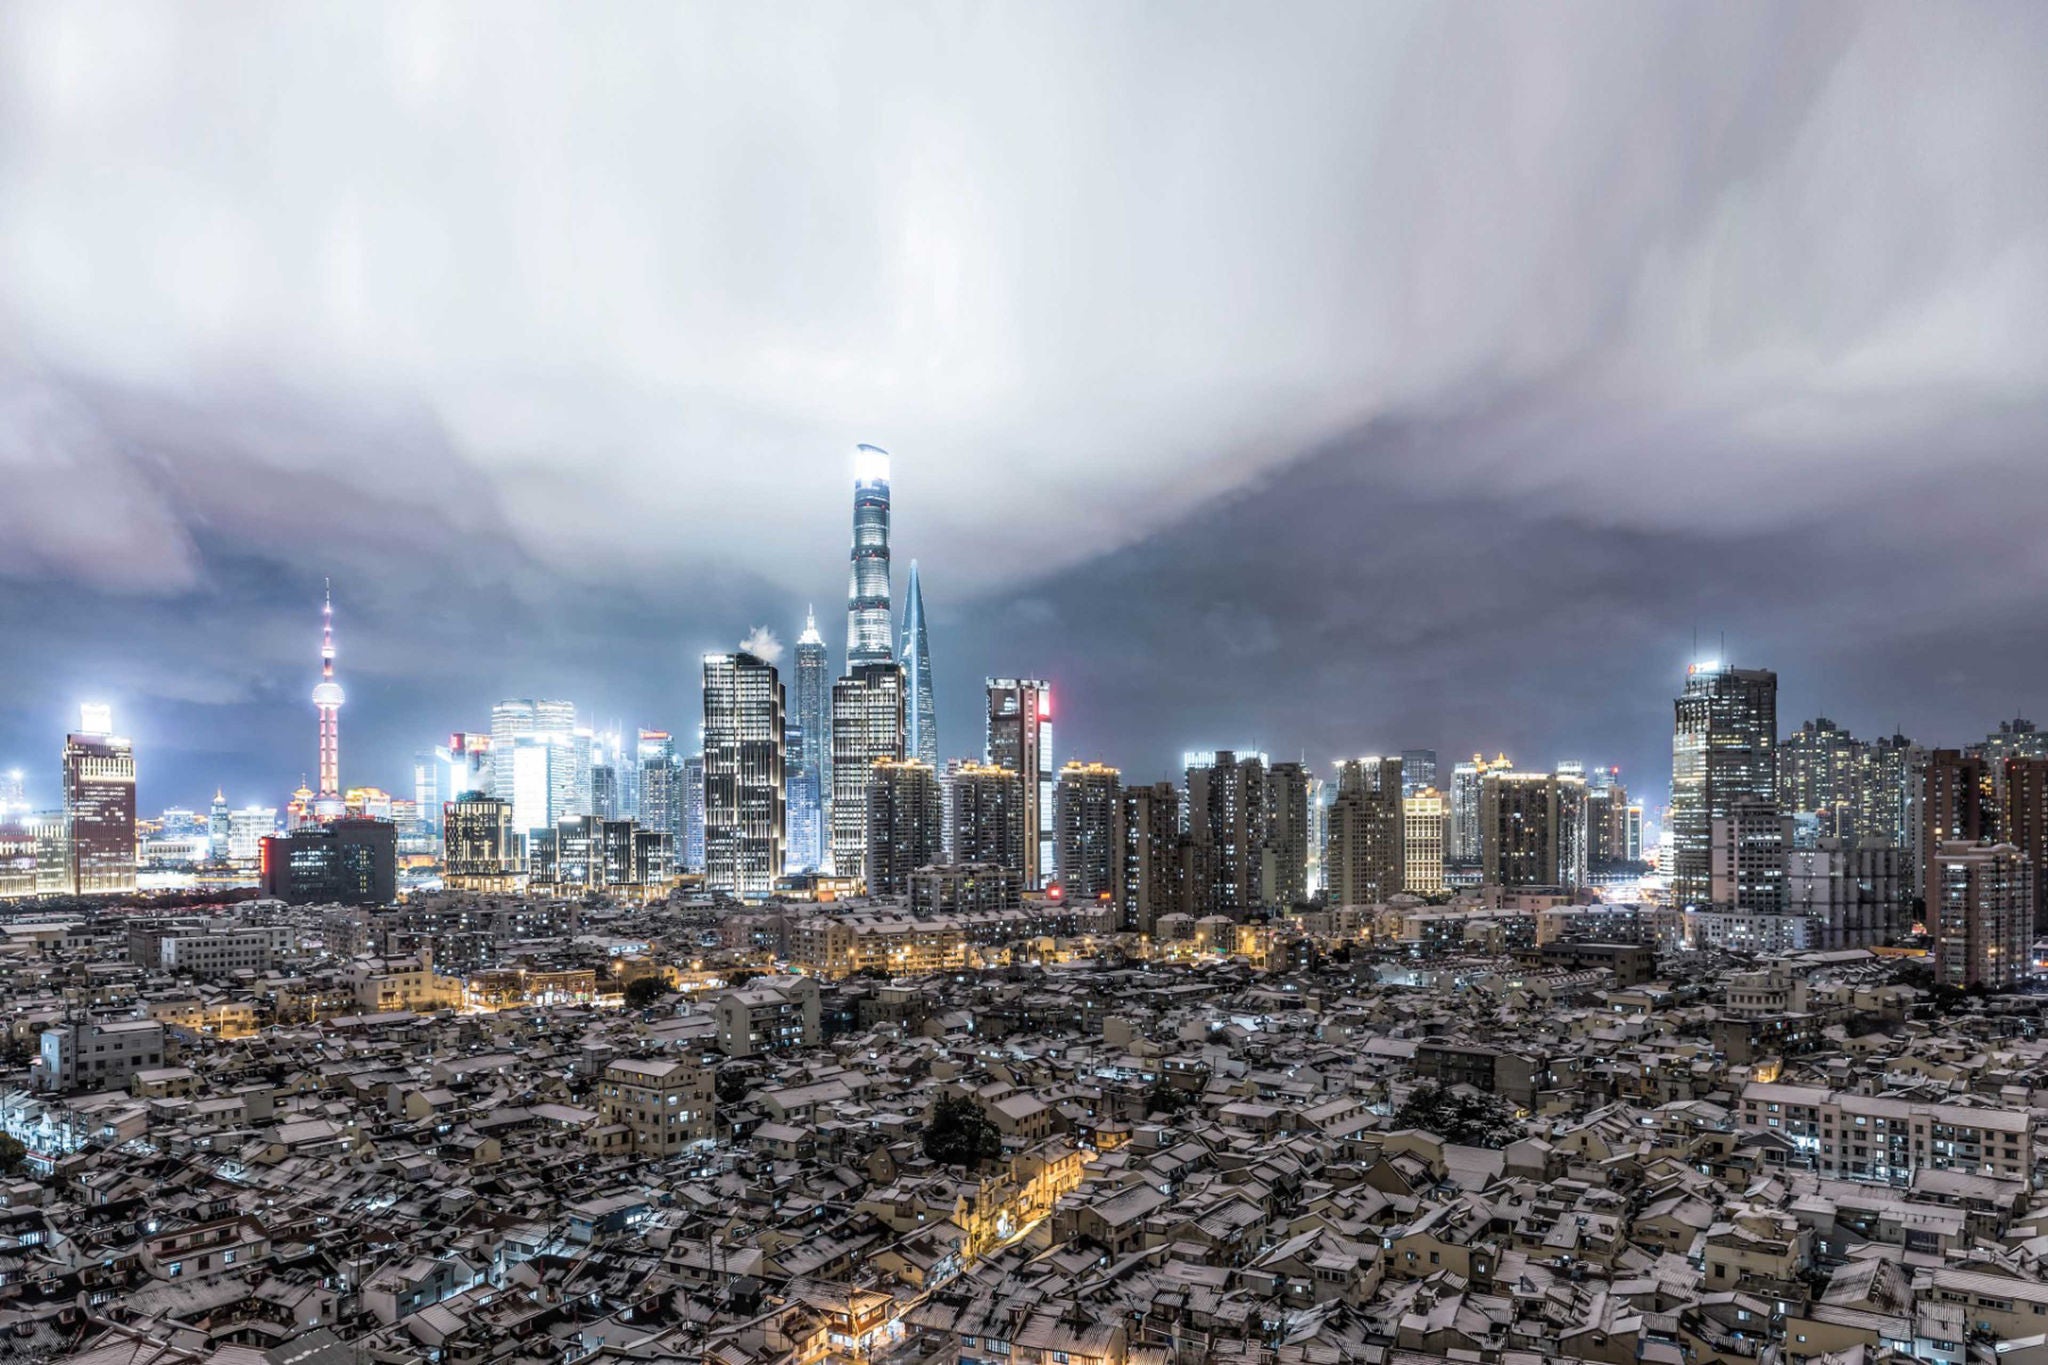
(1338, 376)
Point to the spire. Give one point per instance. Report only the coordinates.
(810, 635)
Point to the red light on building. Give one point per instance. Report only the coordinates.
(1054, 891)
(1045, 705)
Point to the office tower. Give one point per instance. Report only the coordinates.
(1424, 821)
(17, 858)
(1289, 845)
(810, 751)
(1464, 850)
(218, 824)
(988, 817)
(868, 623)
(1226, 813)
(745, 800)
(1418, 771)
(1148, 855)
(99, 808)
(1954, 803)
(921, 731)
(693, 813)
(1534, 830)
(1368, 833)
(481, 849)
(1320, 794)
(661, 786)
(248, 827)
(1856, 893)
(50, 832)
(903, 824)
(2023, 820)
(1886, 771)
(1749, 847)
(1982, 914)
(1608, 841)
(1634, 840)
(348, 860)
(1020, 739)
(527, 763)
(1818, 769)
(1087, 804)
(327, 699)
(867, 726)
(1723, 751)
(465, 765)
(428, 768)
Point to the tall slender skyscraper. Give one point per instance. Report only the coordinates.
(867, 725)
(327, 699)
(869, 629)
(1020, 739)
(1724, 752)
(745, 799)
(810, 751)
(921, 738)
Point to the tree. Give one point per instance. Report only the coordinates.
(1466, 1118)
(733, 1083)
(735, 980)
(12, 1154)
(959, 1134)
(643, 991)
(1164, 1097)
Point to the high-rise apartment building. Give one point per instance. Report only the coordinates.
(1366, 861)
(1087, 806)
(921, 720)
(1425, 820)
(1855, 892)
(1982, 914)
(745, 799)
(1020, 739)
(99, 808)
(1749, 850)
(1723, 752)
(1464, 850)
(1819, 769)
(869, 625)
(1534, 830)
(903, 824)
(2023, 820)
(867, 727)
(1148, 855)
(1955, 803)
(1226, 813)
(1887, 770)
(1288, 846)
(810, 752)
(988, 817)
(1607, 828)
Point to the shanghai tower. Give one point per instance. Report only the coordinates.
(869, 627)
(921, 736)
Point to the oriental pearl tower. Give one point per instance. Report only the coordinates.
(327, 698)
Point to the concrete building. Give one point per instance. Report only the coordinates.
(664, 1105)
(1749, 849)
(1020, 739)
(1533, 830)
(96, 1056)
(903, 824)
(1148, 856)
(1366, 857)
(1087, 806)
(1723, 752)
(989, 819)
(1982, 916)
(1424, 823)
(746, 808)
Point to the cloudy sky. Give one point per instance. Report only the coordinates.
(1323, 378)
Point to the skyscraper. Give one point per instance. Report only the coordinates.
(1982, 914)
(1226, 812)
(988, 816)
(1465, 849)
(1148, 855)
(1423, 826)
(1283, 878)
(1418, 771)
(1723, 751)
(2023, 821)
(745, 799)
(1020, 739)
(1533, 829)
(1818, 766)
(1087, 804)
(1751, 851)
(868, 624)
(327, 699)
(1955, 805)
(661, 786)
(810, 752)
(921, 733)
(903, 824)
(867, 725)
(1366, 859)
(99, 808)
(692, 795)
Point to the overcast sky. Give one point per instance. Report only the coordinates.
(1323, 378)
